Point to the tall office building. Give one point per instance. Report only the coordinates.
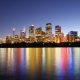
(48, 32)
(57, 30)
(58, 34)
(70, 38)
(31, 30)
(49, 29)
(22, 33)
(72, 35)
(38, 31)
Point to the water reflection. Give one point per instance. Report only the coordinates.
(40, 63)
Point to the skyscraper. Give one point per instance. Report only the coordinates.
(72, 36)
(74, 33)
(38, 33)
(57, 34)
(57, 30)
(22, 33)
(13, 32)
(49, 32)
(31, 30)
(49, 29)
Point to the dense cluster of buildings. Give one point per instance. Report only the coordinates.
(38, 35)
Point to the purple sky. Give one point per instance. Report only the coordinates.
(23, 13)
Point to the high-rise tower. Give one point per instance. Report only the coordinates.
(57, 34)
(57, 30)
(22, 33)
(31, 30)
(48, 29)
(13, 32)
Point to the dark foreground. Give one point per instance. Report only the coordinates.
(41, 44)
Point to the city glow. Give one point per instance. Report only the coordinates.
(38, 35)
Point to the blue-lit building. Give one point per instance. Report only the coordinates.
(73, 33)
(72, 36)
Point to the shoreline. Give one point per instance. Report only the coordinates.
(39, 44)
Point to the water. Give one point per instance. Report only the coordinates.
(40, 63)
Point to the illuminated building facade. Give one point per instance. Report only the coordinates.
(49, 29)
(48, 32)
(31, 30)
(58, 34)
(17, 39)
(32, 34)
(70, 38)
(72, 35)
(57, 30)
(38, 34)
(38, 31)
(8, 39)
(22, 33)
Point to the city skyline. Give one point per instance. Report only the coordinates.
(37, 35)
(17, 32)
(24, 29)
(23, 13)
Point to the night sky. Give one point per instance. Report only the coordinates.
(23, 13)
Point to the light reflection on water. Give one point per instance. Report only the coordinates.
(40, 63)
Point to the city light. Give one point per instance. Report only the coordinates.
(38, 35)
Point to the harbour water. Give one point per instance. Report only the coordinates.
(40, 63)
